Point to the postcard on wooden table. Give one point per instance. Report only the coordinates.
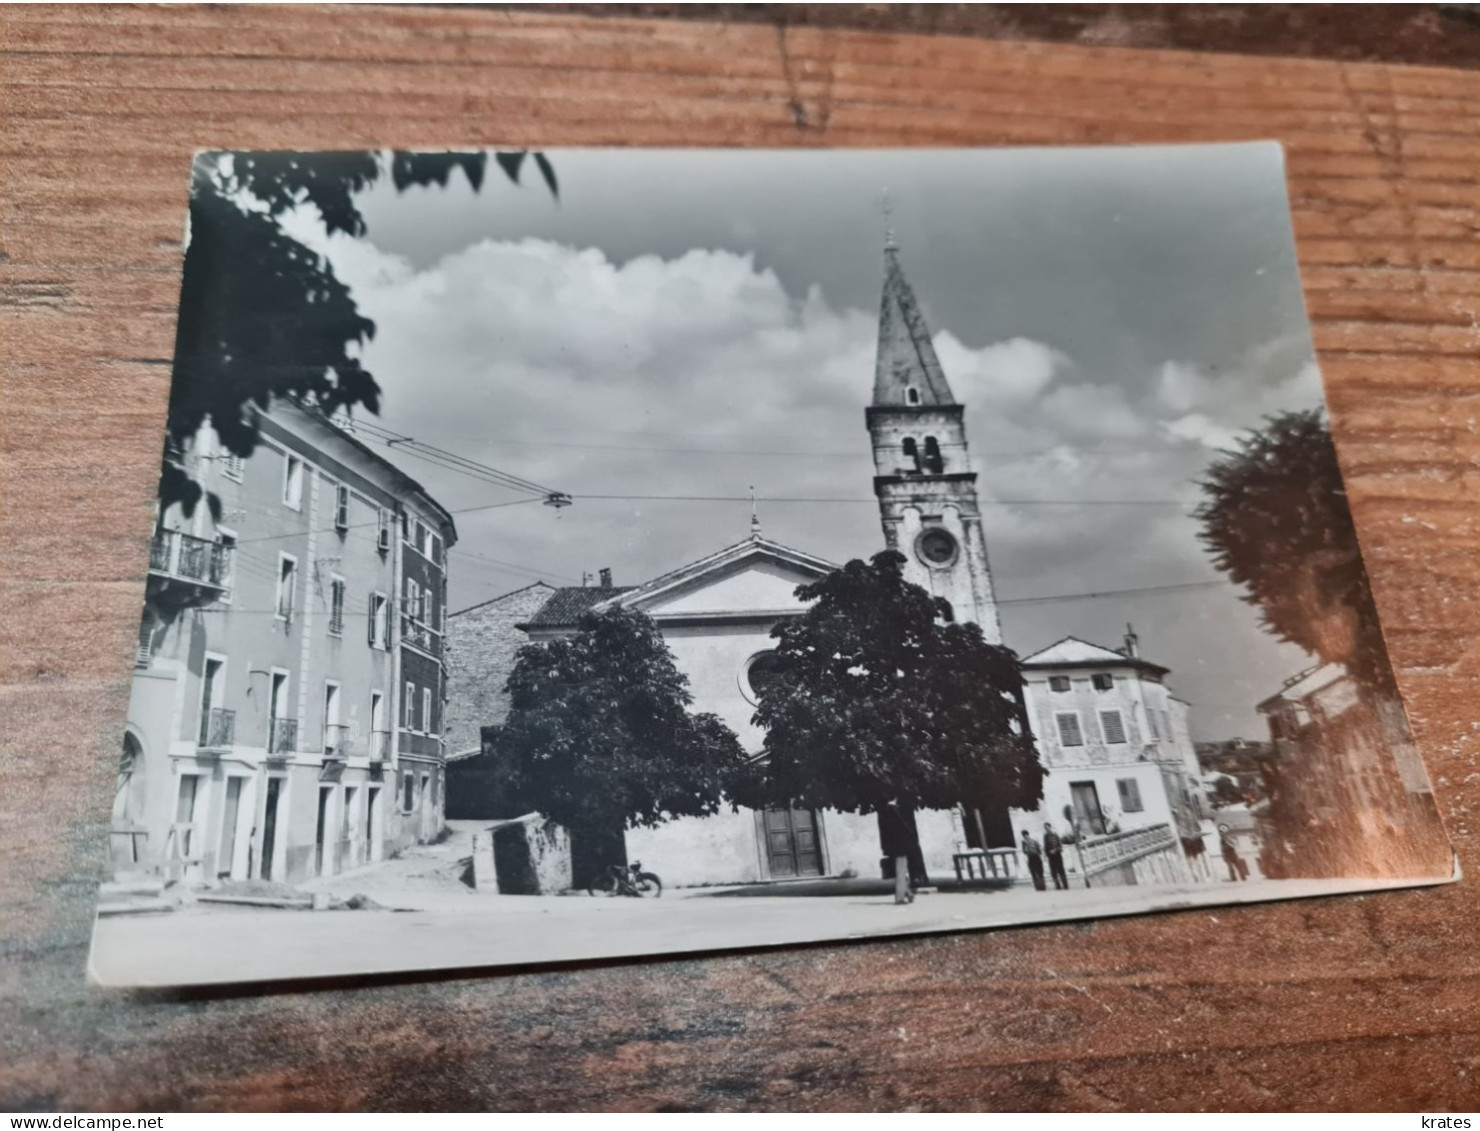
(587, 554)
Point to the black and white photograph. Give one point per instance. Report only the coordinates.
(577, 555)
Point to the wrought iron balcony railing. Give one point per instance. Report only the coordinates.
(178, 555)
(217, 728)
(282, 736)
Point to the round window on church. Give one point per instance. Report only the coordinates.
(936, 547)
(759, 673)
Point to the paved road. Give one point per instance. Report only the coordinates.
(202, 945)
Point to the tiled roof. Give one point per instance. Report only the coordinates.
(566, 606)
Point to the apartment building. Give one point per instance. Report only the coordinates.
(285, 720)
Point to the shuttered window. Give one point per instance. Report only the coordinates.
(1130, 795)
(1070, 733)
(1113, 727)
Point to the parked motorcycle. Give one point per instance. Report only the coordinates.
(631, 880)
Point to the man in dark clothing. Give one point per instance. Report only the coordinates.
(1034, 853)
(1053, 848)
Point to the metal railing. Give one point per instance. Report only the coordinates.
(282, 736)
(992, 864)
(176, 554)
(217, 728)
(1101, 853)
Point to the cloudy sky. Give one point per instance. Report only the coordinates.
(700, 323)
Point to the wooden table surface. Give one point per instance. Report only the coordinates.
(1368, 1002)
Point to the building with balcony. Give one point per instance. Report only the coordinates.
(285, 720)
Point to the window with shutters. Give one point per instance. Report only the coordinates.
(1070, 732)
(409, 707)
(1113, 727)
(233, 466)
(1058, 683)
(1130, 795)
(426, 711)
(341, 508)
(336, 606)
(1103, 681)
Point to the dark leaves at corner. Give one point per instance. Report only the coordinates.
(548, 172)
(409, 168)
(511, 163)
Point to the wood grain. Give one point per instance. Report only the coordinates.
(1369, 1002)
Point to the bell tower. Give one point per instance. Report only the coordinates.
(922, 470)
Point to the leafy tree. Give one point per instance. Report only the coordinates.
(261, 315)
(876, 702)
(1276, 520)
(599, 737)
(1225, 791)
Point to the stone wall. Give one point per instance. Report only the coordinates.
(481, 645)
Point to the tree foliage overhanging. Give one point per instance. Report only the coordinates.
(878, 701)
(262, 315)
(599, 730)
(1276, 520)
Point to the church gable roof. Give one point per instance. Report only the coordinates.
(906, 358)
(750, 577)
(1072, 652)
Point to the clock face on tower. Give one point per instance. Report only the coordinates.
(936, 547)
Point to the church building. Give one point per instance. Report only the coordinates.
(1113, 739)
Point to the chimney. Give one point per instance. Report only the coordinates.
(1132, 643)
(606, 578)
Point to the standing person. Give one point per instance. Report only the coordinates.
(1034, 852)
(1053, 848)
(1237, 869)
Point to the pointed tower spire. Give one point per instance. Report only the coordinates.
(755, 518)
(907, 373)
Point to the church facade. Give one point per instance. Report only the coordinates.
(1120, 761)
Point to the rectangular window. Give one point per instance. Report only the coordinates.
(379, 621)
(426, 711)
(336, 606)
(436, 549)
(423, 540)
(383, 531)
(233, 466)
(1130, 795)
(226, 540)
(379, 749)
(1070, 733)
(1113, 727)
(333, 738)
(341, 507)
(408, 790)
(1151, 725)
(1102, 681)
(293, 483)
(287, 586)
(409, 707)
(1058, 683)
(212, 694)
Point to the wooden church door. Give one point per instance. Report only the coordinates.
(792, 846)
